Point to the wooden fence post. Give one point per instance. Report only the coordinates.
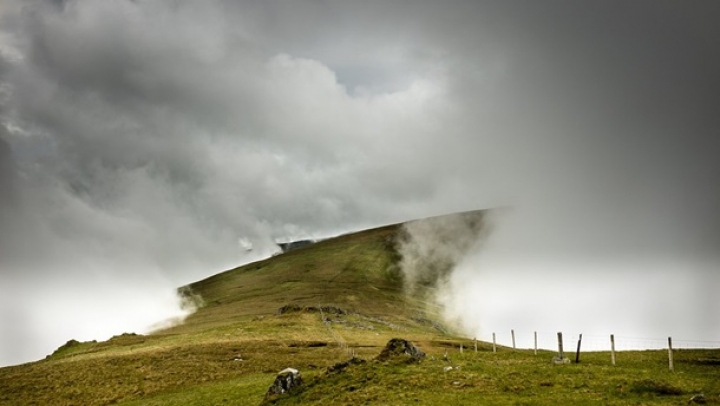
(512, 333)
(475, 339)
(535, 334)
(461, 348)
(612, 348)
(494, 346)
(577, 354)
(670, 354)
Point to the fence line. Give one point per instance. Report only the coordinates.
(590, 342)
(608, 343)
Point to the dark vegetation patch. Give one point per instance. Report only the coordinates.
(656, 387)
(71, 347)
(308, 344)
(127, 338)
(341, 366)
(702, 361)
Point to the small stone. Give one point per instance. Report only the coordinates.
(699, 399)
(560, 361)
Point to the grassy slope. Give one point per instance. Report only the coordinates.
(230, 350)
(355, 272)
(520, 378)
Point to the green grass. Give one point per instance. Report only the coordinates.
(229, 351)
(515, 378)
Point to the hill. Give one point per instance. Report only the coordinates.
(312, 309)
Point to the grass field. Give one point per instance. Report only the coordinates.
(339, 296)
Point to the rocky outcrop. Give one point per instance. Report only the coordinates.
(290, 308)
(294, 245)
(400, 349)
(288, 380)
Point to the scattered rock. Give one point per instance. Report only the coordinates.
(560, 361)
(447, 369)
(329, 310)
(699, 399)
(286, 381)
(399, 348)
(289, 308)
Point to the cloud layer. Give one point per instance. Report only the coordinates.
(146, 144)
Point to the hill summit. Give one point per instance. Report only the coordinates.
(359, 273)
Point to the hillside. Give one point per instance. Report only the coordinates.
(356, 273)
(314, 307)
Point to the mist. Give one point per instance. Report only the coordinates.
(148, 144)
(517, 280)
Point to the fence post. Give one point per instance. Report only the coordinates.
(475, 339)
(577, 354)
(535, 334)
(612, 348)
(561, 353)
(494, 346)
(670, 354)
(461, 348)
(512, 333)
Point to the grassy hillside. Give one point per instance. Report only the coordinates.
(355, 272)
(312, 308)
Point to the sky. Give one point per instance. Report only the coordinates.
(148, 144)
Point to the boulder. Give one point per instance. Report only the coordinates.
(286, 381)
(397, 348)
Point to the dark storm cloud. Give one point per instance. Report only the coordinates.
(147, 139)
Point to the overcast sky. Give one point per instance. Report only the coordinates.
(147, 144)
